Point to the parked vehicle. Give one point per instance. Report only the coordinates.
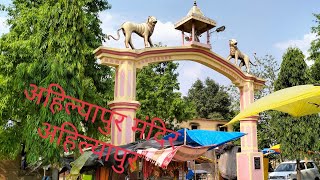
(288, 171)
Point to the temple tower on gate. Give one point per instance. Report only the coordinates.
(195, 24)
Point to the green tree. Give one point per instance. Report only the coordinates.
(50, 41)
(267, 68)
(211, 100)
(315, 52)
(293, 70)
(157, 87)
(157, 92)
(297, 136)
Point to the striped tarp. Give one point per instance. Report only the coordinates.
(163, 157)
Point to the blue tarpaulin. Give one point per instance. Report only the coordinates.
(269, 151)
(190, 174)
(206, 137)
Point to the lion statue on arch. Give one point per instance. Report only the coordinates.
(144, 30)
(237, 54)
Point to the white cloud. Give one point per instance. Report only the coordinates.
(110, 24)
(303, 44)
(164, 32)
(190, 71)
(4, 28)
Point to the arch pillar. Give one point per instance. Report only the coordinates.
(249, 158)
(124, 102)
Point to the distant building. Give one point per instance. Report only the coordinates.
(206, 124)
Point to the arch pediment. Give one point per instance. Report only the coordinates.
(143, 57)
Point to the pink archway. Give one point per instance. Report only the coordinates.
(126, 61)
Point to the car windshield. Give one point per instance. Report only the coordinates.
(286, 167)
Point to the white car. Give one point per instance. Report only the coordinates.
(287, 171)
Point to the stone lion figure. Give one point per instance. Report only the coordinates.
(237, 54)
(144, 30)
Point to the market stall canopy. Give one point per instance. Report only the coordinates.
(267, 151)
(200, 137)
(162, 157)
(152, 151)
(93, 161)
(276, 148)
(296, 101)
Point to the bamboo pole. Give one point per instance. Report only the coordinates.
(184, 142)
(185, 137)
(195, 174)
(216, 169)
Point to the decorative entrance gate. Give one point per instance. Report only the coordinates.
(127, 61)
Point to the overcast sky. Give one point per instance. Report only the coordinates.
(260, 26)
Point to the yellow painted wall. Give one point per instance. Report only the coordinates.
(205, 124)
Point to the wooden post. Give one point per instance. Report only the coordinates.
(195, 174)
(193, 32)
(208, 37)
(182, 37)
(185, 136)
(216, 168)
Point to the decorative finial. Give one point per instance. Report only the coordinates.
(195, 3)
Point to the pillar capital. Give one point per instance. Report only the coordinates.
(124, 105)
(251, 118)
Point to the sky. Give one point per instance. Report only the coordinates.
(260, 26)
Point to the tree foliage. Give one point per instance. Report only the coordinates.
(267, 68)
(157, 92)
(157, 87)
(315, 52)
(293, 70)
(211, 100)
(50, 41)
(297, 136)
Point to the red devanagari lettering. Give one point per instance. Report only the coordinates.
(56, 101)
(121, 160)
(136, 126)
(35, 93)
(48, 133)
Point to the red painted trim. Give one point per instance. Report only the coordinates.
(160, 51)
(124, 109)
(248, 121)
(124, 104)
(118, 106)
(255, 116)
